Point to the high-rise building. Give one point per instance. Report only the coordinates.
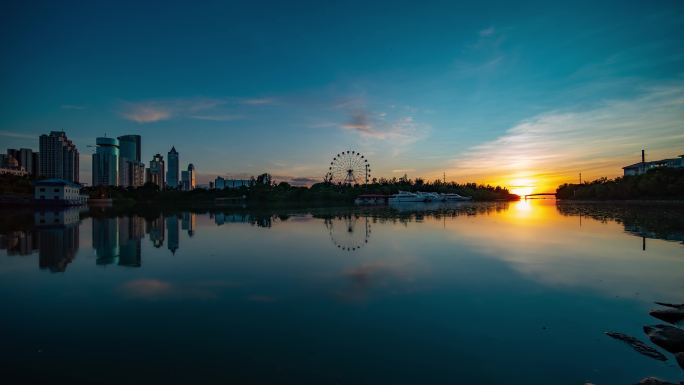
(129, 147)
(172, 173)
(35, 170)
(188, 181)
(106, 162)
(58, 157)
(131, 169)
(26, 159)
(185, 181)
(192, 177)
(155, 173)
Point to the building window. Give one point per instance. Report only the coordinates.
(42, 189)
(56, 190)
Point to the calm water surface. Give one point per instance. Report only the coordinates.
(516, 293)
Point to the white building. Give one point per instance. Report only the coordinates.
(58, 192)
(643, 167)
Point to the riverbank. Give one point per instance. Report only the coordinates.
(635, 202)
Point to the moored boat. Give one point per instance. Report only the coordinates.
(405, 196)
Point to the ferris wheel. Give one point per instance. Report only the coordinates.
(348, 167)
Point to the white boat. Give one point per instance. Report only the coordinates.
(405, 196)
(431, 196)
(454, 197)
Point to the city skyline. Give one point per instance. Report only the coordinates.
(526, 98)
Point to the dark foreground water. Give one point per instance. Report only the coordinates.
(518, 293)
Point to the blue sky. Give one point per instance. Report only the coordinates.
(526, 93)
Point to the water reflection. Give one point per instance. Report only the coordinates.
(54, 235)
(117, 237)
(348, 232)
(655, 221)
(459, 291)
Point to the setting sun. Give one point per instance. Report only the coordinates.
(521, 187)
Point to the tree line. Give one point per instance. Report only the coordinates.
(661, 183)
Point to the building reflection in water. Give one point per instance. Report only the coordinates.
(189, 222)
(172, 227)
(118, 240)
(19, 242)
(155, 229)
(131, 233)
(58, 238)
(106, 240)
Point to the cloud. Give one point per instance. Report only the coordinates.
(141, 113)
(401, 130)
(359, 122)
(487, 32)
(151, 111)
(19, 135)
(556, 146)
(258, 101)
(72, 107)
(218, 118)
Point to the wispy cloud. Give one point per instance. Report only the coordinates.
(18, 135)
(487, 32)
(147, 113)
(258, 101)
(151, 111)
(400, 130)
(596, 141)
(218, 118)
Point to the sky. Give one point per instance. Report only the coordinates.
(522, 94)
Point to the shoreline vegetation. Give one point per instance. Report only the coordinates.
(662, 184)
(262, 191)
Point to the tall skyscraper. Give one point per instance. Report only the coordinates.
(106, 162)
(58, 157)
(35, 171)
(155, 173)
(173, 170)
(26, 159)
(185, 181)
(188, 181)
(131, 169)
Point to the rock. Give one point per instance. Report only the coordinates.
(672, 316)
(667, 337)
(653, 381)
(638, 345)
(680, 359)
